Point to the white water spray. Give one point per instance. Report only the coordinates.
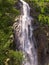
(27, 44)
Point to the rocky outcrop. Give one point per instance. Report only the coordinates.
(16, 33)
(42, 38)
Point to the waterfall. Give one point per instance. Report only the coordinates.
(26, 36)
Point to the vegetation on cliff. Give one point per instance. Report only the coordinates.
(8, 12)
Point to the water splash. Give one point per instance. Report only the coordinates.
(26, 40)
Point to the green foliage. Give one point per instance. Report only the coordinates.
(40, 10)
(7, 15)
(16, 57)
(10, 57)
(43, 16)
(43, 19)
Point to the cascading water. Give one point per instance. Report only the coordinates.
(26, 37)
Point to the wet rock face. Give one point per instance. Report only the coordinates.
(17, 5)
(42, 37)
(16, 29)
